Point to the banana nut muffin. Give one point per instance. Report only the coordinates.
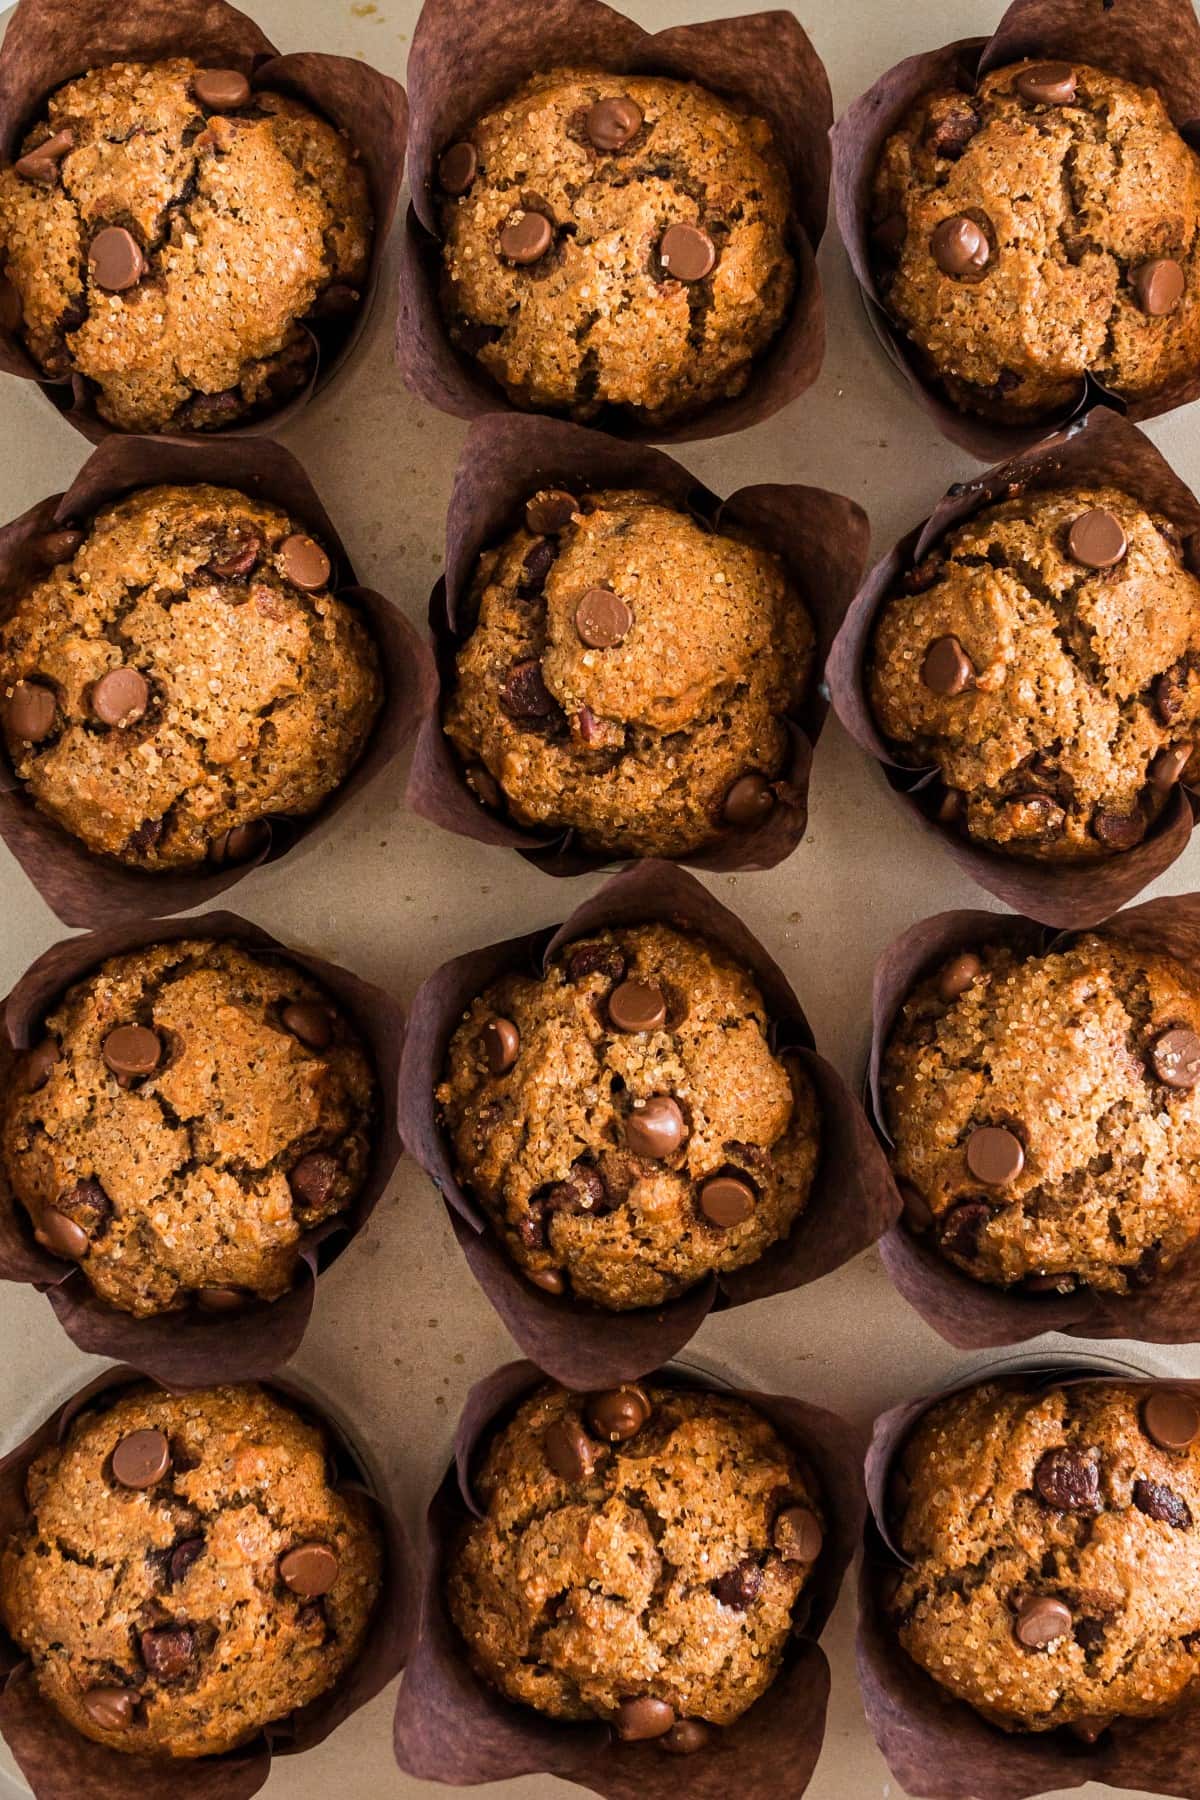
(164, 232)
(615, 241)
(1044, 1113)
(1055, 1552)
(187, 1573)
(638, 1561)
(1046, 658)
(180, 674)
(1040, 227)
(191, 1111)
(624, 1120)
(629, 675)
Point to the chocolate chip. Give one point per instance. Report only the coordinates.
(525, 694)
(583, 960)
(59, 546)
(120, 697)
(686, 1737)
(962, 1227)
(313, 1177)
(56, 1232)
(1047, 84)
(637, 1006)
(960, 246)
(457, 168)
(748, 802)
(1158, 286)
(613, 123)
(182, 1557)
(549, 511)
(143, 840)
(1097, 539)
(797, 1534)
(221, 1299)
(1170, 693)
(41, 163)
(132, 1051)
(115, 259)
(221, 90)
(570, 1453)
(1168, 766)
(30, 711)
(39, 1062)
(602, 618)
(947, 669)
(241, 843)
(582, 1192)
(1118, 830)
(303, 562)
(309, 1022)
(551, 1281)
(1170, 1418)
(1040, 1620)
(235, 561)
(995, 1155)
(1068, 1480)
(687, 253)
(168, 1651)
(501, 1045)
(739, 1587)
(309, 1569)
(656, 1129)
(526, 238)
(538, 562)
(637, 1720)
(141, 1459)
(484, 786)
(619, 1414)
(725, 1200)
(950, 134)
(1035, 816)
(918, 1214)
(959, 975)
(1160, 1502)
(111, 1708)
(1176, 1057)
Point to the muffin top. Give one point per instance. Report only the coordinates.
(638, 1559)
(624, 1120)
(180, 674)
(1046, 658)
(615, 241)
(191, 1110)
(187, 1573)
(628, 675)
(1040, 227)
(1055, 1554)
(1044, 1113)
(163, 232)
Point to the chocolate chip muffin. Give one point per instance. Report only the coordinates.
(624, 1120)
(1044, 1113)
(615, 241)
(1045, 658)
(1037, 229)
(187, 1573)
(1052, 1536)
(180, 674)
(628, 675)
(638, 1560)
(164, 232)
(192, 1110)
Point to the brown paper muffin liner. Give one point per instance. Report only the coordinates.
(852, 1200)
(60, 1764)
(465, 57)
(193, 1348)
(47, 42)
(453, 1727)
(971, 1314)
(939, 1748)
(1153, 42)
(86, 889)
(820, 537)
(1103, 448)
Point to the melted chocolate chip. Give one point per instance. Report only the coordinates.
(1068, 1480)
(1160, 1502)
(739, 1587)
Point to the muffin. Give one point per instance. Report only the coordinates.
(1037, 229)
(1053, 1579)
(1045, 658)
(164, 232)
(180, 675)
(615, 241)
(191, 1112)
(187, 1573)
(624, 1121)
(638, 1559)
(1044, 1114)
(628, 675)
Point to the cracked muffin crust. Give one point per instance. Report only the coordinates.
(180, 675)
(1054, 1538)
(187, 1572)
(624, 1121)
(1039, 228)
(192, 1110)
(615, 241)
(1045, 656)
(639, 1559)
(164, 232)
(629, 675)
(1044, 1113)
